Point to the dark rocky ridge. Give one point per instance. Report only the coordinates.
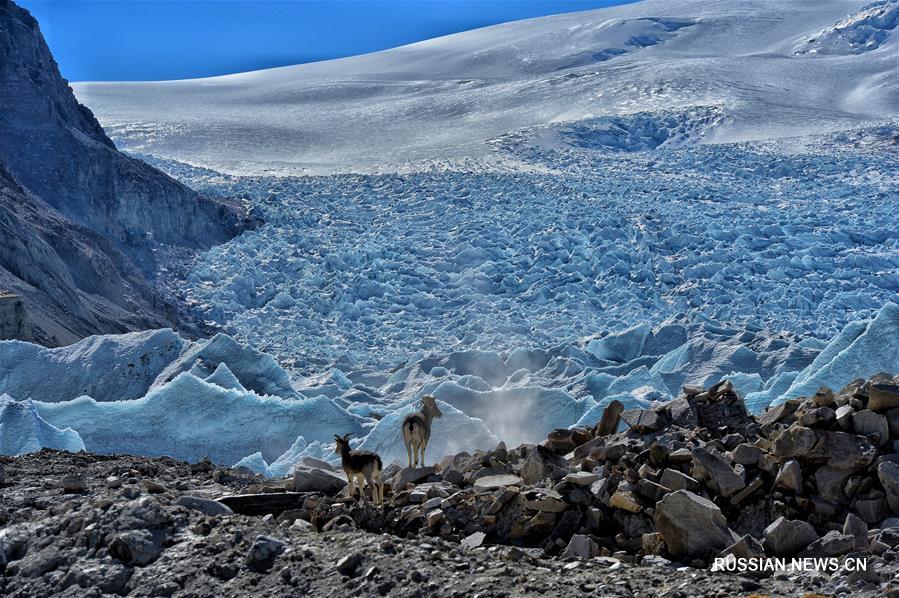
(72, 281)
(74, 207)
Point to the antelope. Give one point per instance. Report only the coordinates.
(359, 465)
(417, 429)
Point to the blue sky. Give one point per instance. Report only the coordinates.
(171, 39)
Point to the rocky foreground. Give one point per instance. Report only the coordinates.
(640, 512)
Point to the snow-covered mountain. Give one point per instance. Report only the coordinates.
(767, 68)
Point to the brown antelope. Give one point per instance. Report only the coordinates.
(359, 465)
(417, 429)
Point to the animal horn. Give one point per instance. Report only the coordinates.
(347, 436)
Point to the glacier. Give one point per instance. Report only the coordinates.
(516, 396)
(540, 218)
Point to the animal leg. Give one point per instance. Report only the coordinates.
(415, 447)
(409, 452)
(361, 482)
(423, 445)
(349, 485)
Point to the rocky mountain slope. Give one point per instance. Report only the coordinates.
(75, 207)
(73, 282)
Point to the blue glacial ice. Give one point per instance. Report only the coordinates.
(23, 430)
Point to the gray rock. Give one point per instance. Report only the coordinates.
(888, 474)
(785, 538)
(833, 543)
(872, 510)
(675, 480)
(844, 417)
(721, 477)
(135, 547)
(474, 540)
(790, 477)
(263, 552)
(314, 479)
(2, 474)
(581, 478)
(204, 505)
(838, 449)
(497, 481)
(691, 526)
(883, 396)
(858, 529)
(349, 565)
(823, 397)
(892, 416)
(642, 420)
(746, 454)
(412, 475)
(540, 464)
(73, 482)
(866, 423)
(581, 547)
(830, 483)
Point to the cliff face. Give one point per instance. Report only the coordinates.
(14, 322)
(71, 281)
(79, 221)
(56, 148)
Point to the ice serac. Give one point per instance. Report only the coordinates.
(23, 430)
(190, 418)
(253, 370)
(106, 368)
(861, 350)
(57, 149)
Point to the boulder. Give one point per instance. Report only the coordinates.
(473, 540)
(790, 477)
(868, 423)
(581, 547)
(625, 501)
(838, 449)
(610, 418)
(833, 543)
(883, 396)
(540, 464)
(643, 420)
(315, 479)
(497, 481)
(858, 529)
(675, 480)
(204, 505)
(888, 474)
(844, 417)
(581, 478)
(691, 526)
(823, 397)
(720, 476)
(785, 538)
(412, 475)
(135, 547)
(263, 552)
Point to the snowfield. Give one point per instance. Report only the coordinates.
(776, 69)
(527, 221)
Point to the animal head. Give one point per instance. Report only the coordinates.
(429, 403)
(341, 443)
